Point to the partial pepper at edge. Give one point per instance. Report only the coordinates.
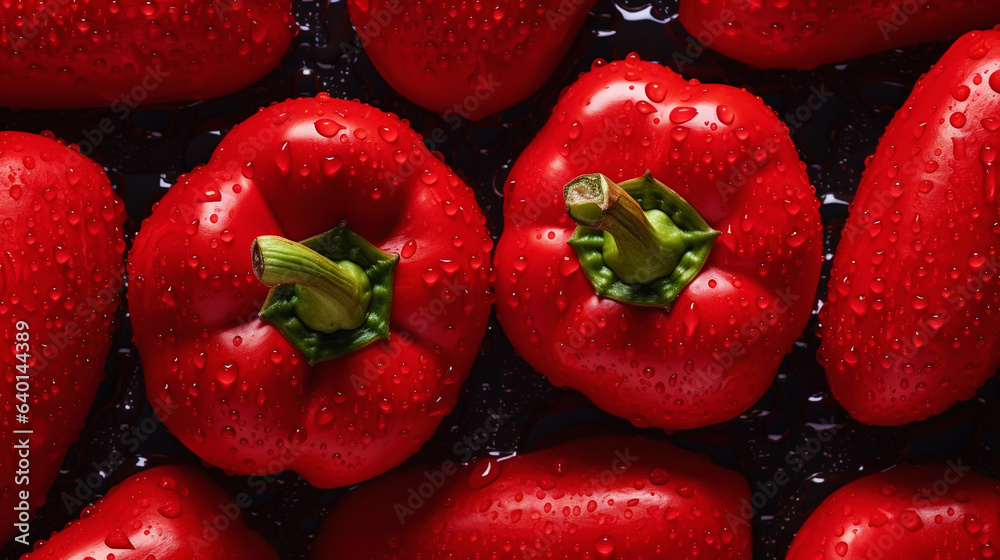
(605, 497)
(164, 513)
(804, 34)
(467, 59)
(119, 54)
(61, 262)
(910, 325)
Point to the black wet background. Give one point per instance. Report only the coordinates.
(153, 145)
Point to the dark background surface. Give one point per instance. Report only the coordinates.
(150, 148)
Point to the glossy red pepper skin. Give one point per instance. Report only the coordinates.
(910, 326)
(167, 513)
(61, 268)
(929, 512)
(120, 53)
(800, 34)
(716, 352)
(464, 59)
(250, 402)
(602, 497)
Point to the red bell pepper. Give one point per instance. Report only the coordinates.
(804, 34)
(909, 327)
(121, 53)
(467, 59)
(603, 497)
(347, 365)
(166, 513)
(60, 270)
(671, 299)
(930, 512)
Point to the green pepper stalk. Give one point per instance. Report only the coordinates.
(643, 249)
(331, 295)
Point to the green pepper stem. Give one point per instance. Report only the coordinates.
(331, 295)
(643, 245)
